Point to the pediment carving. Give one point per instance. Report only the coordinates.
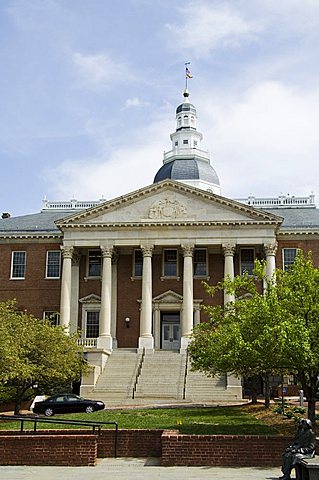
(167, 208)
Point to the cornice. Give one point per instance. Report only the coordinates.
(123, 225)
(15, 236)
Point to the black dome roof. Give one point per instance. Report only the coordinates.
(187, 169)
(185, 107)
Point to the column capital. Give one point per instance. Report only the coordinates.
(188, 250)
(270, 249)
(229, 249)
(147, 250)
(67, 251)
(106, 251)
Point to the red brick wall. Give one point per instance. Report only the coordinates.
(35, 293)
(131, 443)
(78, 448)
(48, 449)
(222, 450)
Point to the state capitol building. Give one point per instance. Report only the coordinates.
(127, 272)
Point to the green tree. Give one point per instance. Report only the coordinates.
(265, 331)
(35, 357)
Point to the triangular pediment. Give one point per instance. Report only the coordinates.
(168, 297)
(168, 202)
(92, 298)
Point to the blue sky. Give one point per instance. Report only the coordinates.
(88, 91)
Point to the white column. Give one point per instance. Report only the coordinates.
(157, 327)
(270, 250)
(146, 339)
(66, 283)
(188, 296)
(229, 252)
(105, 338)
(197, 315)
(74, 317)
(115, 259)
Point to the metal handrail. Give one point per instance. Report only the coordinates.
(85, 423)
(185, 375)
(139, 368)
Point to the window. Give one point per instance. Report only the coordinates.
(170, 263)
(92, 324)
(200, 262)
(18, 265)
(195, 143)
(54, 317)
(185, 142)
(288, 257)
(138, 264)
(176, 144)
(247, 261)
(95, 262)
(53, 264)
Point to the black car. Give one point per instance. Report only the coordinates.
(66, 403)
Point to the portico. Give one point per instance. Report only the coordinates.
(172, 265)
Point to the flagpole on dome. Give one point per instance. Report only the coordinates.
(188, 75)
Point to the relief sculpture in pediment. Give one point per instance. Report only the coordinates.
(167, 209)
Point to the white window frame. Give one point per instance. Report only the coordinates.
(240, 261)
(47, 265)
(163, 263)
(52, 315)
(24, 264)
(89, 307)
(88, 263)
(284, 266)
(204, 275)
(134, 264)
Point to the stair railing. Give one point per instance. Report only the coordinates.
(138, 372)
(185, 375)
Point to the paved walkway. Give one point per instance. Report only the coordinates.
(136, 469)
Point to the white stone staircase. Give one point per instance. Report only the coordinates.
(115, 383)
(162, 377)
(130, 378)
(200, 388)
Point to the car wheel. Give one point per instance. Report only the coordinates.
(89, 409)
(48, 412)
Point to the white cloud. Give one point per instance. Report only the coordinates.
(268, 136)
(206, 27)
(128, 167)
(100, 69)
(135, 102)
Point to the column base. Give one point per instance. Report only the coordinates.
(234, 386)
(146, 343)
(184, 344)
(105, 343)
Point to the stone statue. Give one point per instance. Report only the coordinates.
(303, 446)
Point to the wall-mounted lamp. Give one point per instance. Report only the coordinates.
(127, 322)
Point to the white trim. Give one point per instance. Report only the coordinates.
(283, 255)
(47, 264)
(240, 250)
(25, 264)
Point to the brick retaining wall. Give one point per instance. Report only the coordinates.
(222, 450)
(75, 448)
(48, 449)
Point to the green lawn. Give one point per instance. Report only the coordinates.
(216, 420)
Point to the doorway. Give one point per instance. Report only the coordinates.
(170, 328)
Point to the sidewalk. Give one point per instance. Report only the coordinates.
(136, 469)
